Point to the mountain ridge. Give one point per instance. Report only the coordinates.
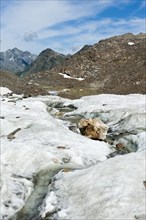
(113, 65)
(46, 60)
(15, 60)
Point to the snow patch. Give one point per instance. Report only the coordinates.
(69, 77)
(4, 91)
(131, 43)
(11, 59)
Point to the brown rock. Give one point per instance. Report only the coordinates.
(11, 135)
(61, 147)
(120, 146)
(66, 170)
(55, 160)
(93, 128)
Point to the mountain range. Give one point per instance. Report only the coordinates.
(114, 65)
(15, 60)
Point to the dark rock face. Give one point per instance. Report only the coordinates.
(15, 60)
(115, 65)
(46, 60)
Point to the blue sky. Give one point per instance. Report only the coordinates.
(67, 25)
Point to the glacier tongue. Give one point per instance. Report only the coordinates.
(44, 146)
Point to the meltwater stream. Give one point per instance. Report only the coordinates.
(42, 180)
(30, 211)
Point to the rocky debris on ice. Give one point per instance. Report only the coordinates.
(93, 128)
(11, 136)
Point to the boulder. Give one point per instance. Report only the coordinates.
(93, 128)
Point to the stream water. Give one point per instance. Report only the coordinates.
(30, 211)
(42, 180)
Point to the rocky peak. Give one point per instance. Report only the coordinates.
(85, 47)
(16, 50)
(46, 60)
(15, 60)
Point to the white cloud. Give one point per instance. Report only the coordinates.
(21, 17)
(106, 28)
(29, 25)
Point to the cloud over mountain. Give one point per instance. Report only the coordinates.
(62, 24)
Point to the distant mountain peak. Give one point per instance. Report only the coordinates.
(46, 60)
(15, 60)
(15, 49)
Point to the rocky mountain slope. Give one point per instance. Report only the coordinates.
(114, 65)
(15, 60)
(19, 86)
(46, 60)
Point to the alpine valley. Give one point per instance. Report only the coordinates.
(73, 132)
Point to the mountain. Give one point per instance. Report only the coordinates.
(46, 60)
(18, 85)
(114, 65)
(15, 60)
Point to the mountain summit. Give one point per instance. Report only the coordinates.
(46, 60)
(15, 60)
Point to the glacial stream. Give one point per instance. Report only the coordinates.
(31, 209)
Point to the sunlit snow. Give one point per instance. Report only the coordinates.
(131, 43)
(69, 77)
(4, 91)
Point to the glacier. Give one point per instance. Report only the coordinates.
(51, 172)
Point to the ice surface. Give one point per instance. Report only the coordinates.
(124, 114)
(111, 189)
(36, 147)
(49, 205)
